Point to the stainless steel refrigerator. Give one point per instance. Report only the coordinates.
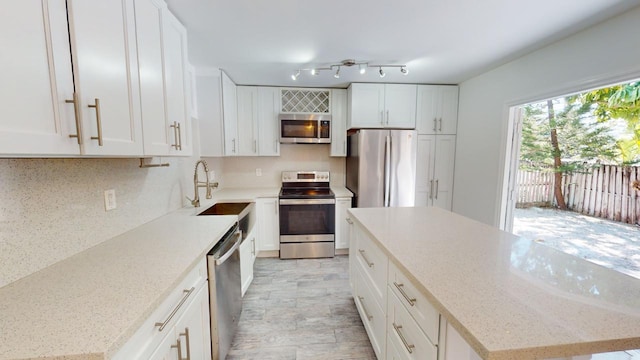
(381, 167)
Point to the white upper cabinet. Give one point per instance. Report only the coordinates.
(36, 80)
(382, 106)
(437, 109)
(106, 76)
(247, 120)
(268, 125)
(338, 122)
(229, 115)
(176, 85)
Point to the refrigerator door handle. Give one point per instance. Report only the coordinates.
(387, 171)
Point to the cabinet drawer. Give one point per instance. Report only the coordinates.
(405, 334)
(372, 314)
(373, 264)
(425, 315)
(149, 336)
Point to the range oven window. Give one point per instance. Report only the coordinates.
(305, 219)
(299, 129)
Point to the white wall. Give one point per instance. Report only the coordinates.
(241, 171)
(601, 55)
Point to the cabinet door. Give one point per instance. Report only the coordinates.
(193, 328)
(106, 75)
(366, 106)
(167, 350)
(342, 226)
(268, 125)
(449, 110)
(443, 171)
(246, 263)
(400, 106)
(247, 120)
(455, 347)
(424, 169)
(36, 80)
(229, 115)
(176, 82)
(268, 224)
(155, 124)
(427, 109)
(338, 122)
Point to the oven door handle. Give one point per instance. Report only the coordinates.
(307, 201)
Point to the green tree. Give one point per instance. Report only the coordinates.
(618, 102)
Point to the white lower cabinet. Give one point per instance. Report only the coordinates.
(268, 224)
(184, 311)
(404, 332)
(371, 312)
(342, 223)
(247, 259)
(454, 347)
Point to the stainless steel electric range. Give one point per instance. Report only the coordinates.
(307, 215)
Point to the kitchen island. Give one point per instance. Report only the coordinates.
(507, 297)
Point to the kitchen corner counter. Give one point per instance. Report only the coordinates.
(509, 298)
(89, 305)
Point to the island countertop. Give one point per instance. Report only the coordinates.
(509, 298)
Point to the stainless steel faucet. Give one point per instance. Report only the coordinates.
(198, 184)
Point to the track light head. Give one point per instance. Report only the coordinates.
(382, 74)
(337, 74)
(363, 69)
(294, 77)
(314, 72)
(404, 70)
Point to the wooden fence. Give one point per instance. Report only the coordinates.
(608, 192)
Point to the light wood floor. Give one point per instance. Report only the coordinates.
(300, 309)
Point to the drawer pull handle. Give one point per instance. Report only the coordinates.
(408, 346)
(178, 346)
(411, 301)
(186, 336)
(365, 258)
(364, 308)
(96, 105)
(163, 324)
(76, 111)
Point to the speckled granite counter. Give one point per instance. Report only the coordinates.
(509, 298)
(89, 305)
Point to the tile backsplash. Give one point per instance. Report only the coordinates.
(51, 209)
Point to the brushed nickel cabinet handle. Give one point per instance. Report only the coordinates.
(163, 324)
(233, 150)
(435, 123)
(175, 135)
(408, 346)
(411, 301)
(179, 136)
(186, 336)
(387, 117)
(178, 345)
(96, 106)
(76, 111)
(430, 189)
(365, 258)
(364, 308)
(436, 192)
(440, 129)
(255, 146)
(382, 117)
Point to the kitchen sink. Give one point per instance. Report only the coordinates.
(226, 208)
(244, 210)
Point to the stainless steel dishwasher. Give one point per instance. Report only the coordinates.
(225, 299)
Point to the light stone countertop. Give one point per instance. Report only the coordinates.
(89, 305)
(509, 298)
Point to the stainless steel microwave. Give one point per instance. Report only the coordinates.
(305, 128)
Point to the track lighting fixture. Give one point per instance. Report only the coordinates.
(362, 68)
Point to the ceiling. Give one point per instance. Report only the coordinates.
(260, 42)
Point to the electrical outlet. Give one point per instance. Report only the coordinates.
(258, 172)
(109, 199)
